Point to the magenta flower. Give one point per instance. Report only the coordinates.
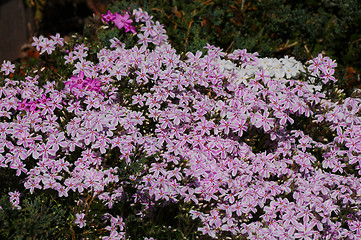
(123, 21)
(108, 17)
(76, 81)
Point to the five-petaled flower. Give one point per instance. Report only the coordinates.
(80, 220)
(7, 67)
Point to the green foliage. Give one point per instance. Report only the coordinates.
(168, 221)
(38, 7)
(272, 28)
(40, 218)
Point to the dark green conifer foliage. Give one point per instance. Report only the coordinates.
(273, 28)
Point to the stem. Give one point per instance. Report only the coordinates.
(229, 47)
(72, 233)
(90, 202)
(186, 39)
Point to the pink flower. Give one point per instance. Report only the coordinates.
(80, 220)
(262, 120)
(205, 126)
(19, 166)
(328, 75)
(215, 218)
(7, 67)
(239, 125)
(305, 230)
(225, 126)
(45, 150)
(37, 42)
(32, 184)
(206, 230)
(14, 196)
(148, 29)
(47, 46)
(15, 199)
(355, 226)
(304, 143)
(57, 39)
(57, 140)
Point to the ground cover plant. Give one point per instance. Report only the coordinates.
(116, 135)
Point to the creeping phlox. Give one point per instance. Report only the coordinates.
(121, 21)
(240, 139)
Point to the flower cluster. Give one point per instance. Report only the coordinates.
(44, 44)
(77, 84)
(121, 21)
(323, 67)
(249, 145)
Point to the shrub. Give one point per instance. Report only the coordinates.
(126, 138)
